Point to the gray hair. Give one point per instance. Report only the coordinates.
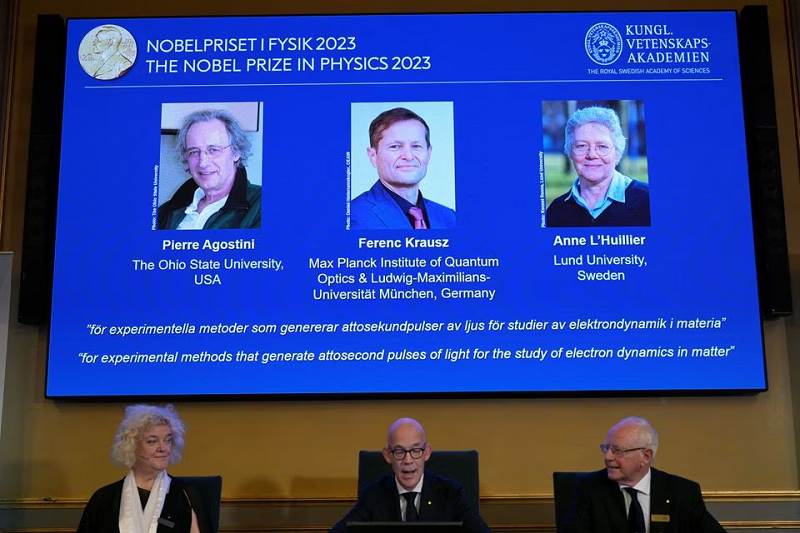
(599, 115)
(240, 142)
(140, 417)
(645, 434)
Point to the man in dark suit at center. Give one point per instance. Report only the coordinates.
(412, 493)
(628, 495)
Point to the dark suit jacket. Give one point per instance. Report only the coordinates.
(599, 506)
(242, 210)
(376, 209)
(442, 500)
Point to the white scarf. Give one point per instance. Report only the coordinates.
(134, 519)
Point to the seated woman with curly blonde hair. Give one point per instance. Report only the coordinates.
(147, 500)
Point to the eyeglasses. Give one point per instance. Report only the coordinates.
(400, 453)
(582, 148)
(616, 451)
(211, 151)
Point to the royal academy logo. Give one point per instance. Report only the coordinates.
(603, 43)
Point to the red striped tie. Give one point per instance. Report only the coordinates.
(419, 218)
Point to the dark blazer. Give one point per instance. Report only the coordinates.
(676, 505)
(376, 209)
(101, 514)
(242, 210)
(442, 500)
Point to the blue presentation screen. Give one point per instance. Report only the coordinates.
(501, 204)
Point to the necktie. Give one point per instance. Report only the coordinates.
(635, 514)
(411, 509)
(419, 218)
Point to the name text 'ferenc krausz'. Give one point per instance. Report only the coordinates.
(409, 242)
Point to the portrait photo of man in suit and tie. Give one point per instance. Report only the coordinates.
(412, 493)
(630, 495)
(400, 150)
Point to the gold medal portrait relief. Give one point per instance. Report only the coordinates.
(107, 52)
